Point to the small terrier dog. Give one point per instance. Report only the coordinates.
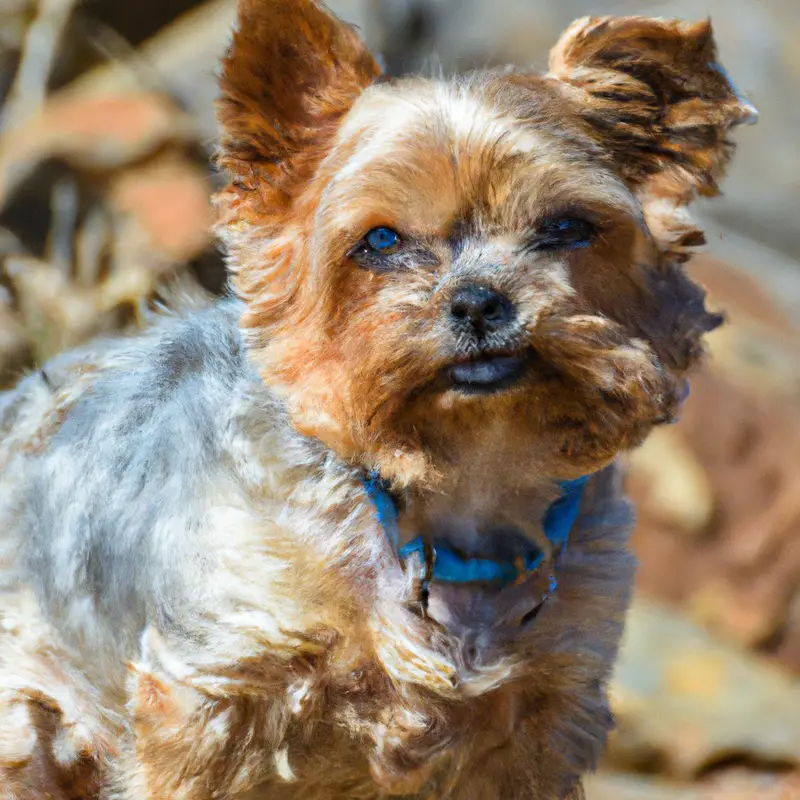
(301, 543)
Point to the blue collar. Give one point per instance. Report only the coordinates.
(449, 566)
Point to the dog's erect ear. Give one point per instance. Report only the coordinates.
(658, 102)
(292, 71)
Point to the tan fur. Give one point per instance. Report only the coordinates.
(516, 154)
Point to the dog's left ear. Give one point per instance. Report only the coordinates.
(654, 96)
(292, 71)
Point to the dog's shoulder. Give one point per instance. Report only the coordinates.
(109, 458)
(184, 357)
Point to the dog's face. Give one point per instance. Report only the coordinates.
(435, 265)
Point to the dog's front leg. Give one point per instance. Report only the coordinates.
(196, 735)
(56, 736)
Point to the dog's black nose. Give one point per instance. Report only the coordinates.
(481, 307)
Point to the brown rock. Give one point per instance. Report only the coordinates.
(99, 133)
(740, 573)
(686, 702)
(169, 199)
(743, 575)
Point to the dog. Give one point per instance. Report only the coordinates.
(358, 531)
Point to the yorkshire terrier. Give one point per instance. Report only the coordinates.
(357, 532)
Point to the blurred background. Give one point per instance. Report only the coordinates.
(106, 129)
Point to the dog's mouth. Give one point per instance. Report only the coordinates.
(487, 372)
(493, 371)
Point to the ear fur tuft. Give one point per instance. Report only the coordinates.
(654, 95)
(291, 72)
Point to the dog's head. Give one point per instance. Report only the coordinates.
(424, 259)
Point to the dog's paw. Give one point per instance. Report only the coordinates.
(55, 737)
(41, 755)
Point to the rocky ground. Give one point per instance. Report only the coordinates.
(106, 129)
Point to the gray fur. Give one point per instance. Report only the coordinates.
(110, 511)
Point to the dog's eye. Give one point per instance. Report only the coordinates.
(382, 240)
(563, 233)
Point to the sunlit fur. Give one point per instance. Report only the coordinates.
(466, 168)
(202, 602)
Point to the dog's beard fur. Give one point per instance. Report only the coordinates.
(338, 669)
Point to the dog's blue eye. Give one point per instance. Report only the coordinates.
(382, 240)
(564, 232)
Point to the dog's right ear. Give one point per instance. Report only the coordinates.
(292, 71)
(654, 96)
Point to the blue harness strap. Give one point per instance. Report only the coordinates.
(449, 566)
(561, 516)
(385, 508)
